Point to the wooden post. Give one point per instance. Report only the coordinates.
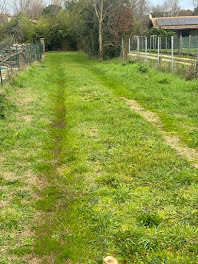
(172, 52)
(146, 41)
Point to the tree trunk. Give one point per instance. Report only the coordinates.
(100, 39)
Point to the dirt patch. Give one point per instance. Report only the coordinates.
(148, 115)
(172, 140)
(27, 118)
(24, 101)
(33, 260)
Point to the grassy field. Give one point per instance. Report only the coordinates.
(83, 176)
(173, 98)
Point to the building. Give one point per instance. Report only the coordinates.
(182, 26)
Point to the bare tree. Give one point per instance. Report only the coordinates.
(139, 7)
(3, 6)
(168, 8)
(17, 6)
(57, 2)
(35, 9)
(172, 7)
(100, 13)
(195, 3)
(101, 8)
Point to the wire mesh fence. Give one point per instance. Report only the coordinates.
(182, 45)
(16, 57)
(170, 53)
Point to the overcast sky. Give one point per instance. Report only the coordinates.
(186, 4)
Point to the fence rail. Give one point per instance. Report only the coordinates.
(14, 58)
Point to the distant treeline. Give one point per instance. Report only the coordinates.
(95, 26)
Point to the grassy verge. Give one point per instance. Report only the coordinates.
(25, 119)
(173, 98)
(106, 184)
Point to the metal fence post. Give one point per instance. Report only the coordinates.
(158, 51)
(138, 47)
(196, 64)
(172, 52)
(17, 58)
(129, 45)
(123, 49)
(1, 75)
(146, 51)
(189, 44)
(150, 44)
(180, 43)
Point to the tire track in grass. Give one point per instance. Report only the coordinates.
(48, 246)
(172, 140)
(112, 186)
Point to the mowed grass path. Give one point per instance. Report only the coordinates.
(93, 178)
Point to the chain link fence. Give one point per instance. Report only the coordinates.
(16, 57)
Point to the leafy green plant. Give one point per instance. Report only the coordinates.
(142, 67)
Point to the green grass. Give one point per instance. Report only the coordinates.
(173, 98)
(105, 184)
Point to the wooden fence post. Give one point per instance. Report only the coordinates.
(42, 41)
